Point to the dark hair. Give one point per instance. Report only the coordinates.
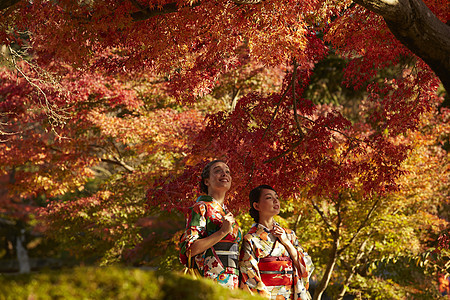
(205, 174)
(254, 197)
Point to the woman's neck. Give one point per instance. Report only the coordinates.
(218, 196)
(266, 221)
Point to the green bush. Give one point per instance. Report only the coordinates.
(111, 283)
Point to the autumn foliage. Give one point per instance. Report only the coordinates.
(110, 109)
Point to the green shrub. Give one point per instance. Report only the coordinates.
(111, 283)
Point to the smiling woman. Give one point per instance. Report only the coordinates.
(212, 235)
(272, 262)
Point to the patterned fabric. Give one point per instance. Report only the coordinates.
(259, 252)
(228, 253)
(218, 262)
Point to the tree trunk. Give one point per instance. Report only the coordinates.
(22, 253)
(321, 287)
(297, 221)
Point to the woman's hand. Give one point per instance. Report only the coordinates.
(227, 225)
(281, 235)
(200, 245)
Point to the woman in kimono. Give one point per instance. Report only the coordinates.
(272, 262)
(212, 235)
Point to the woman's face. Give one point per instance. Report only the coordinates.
(219, 177)
(268, 204)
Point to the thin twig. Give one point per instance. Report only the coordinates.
(56, 114)
(294, 145)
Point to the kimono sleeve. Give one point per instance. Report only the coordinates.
(195, 229)
(302, 280)
(303, 256)
(248, 265)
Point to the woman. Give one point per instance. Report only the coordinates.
(212, 235)
(271, 261)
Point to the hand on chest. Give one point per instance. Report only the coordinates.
(268, 245)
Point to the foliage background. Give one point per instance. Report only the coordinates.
(102, 140)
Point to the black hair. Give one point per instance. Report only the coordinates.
(254, 197)
(205, 174)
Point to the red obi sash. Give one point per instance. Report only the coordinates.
(276, 271)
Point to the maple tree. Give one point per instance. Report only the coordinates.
(277, 135)
(417, 24)
(108, 132)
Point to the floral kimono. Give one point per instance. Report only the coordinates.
(219, 262)
(267, 268)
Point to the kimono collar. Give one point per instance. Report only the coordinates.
(264, 227)
(207, 198)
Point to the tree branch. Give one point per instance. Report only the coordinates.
(115, 147)
(338, 210)
(297, 221)
(119, 162)
(294, 145)
(7, 3)
(411, 22)
(234, 97)
(57, 115)
(361, 226)
(276, 109)
(291, 84)
(352, 269)
(416, 27)
(324, 218)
